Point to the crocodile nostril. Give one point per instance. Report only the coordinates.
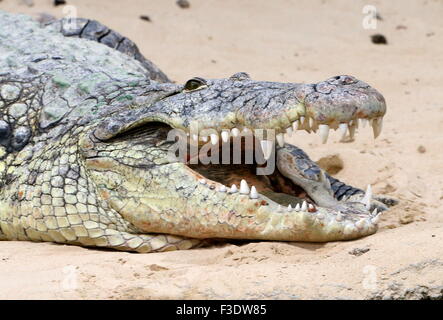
(348, 80)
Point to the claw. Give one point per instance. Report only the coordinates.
(375, 216)
(367, 197)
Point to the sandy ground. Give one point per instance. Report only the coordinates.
(296, 41)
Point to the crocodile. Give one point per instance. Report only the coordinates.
(87, 156)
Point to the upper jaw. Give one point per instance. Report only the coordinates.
(337, 103)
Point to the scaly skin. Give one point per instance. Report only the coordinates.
(84, 156)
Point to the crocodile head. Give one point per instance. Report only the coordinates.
(138, 162)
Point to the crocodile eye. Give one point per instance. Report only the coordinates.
(195, 83)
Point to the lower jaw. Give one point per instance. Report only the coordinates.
(292, 214)
(207, 213)
(239, 217)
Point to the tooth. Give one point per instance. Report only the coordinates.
(289, 131)
(289, 208)
(280, 140)
(254, 193)
(363, 122)
(302, 120)
(214, 138)
(225, 136)
(222, 188)
(311, 123)
(343, 129)
(352, 130)
(246, 131)
(367, 197)
(235, 132)
(295, 125)
(311, 207)
(324, 132)
(320, 216)
(297, 207)
(304, 206)
(244, 188)
(266, 147)
(194, 137)
(202, 181)
(326, 182)
(279, 208)
(233, 189)
(339, 217)
(377, 125)
(375, 217)
(205, 139)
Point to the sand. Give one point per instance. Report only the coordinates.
(287, 41)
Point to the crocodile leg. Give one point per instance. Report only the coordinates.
(82, 228)
(142, 243)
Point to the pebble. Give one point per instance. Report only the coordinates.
(145, 18)
(379, 39)
(184, 4)
(358, 251)
(59, 2)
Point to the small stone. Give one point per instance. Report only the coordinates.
(421, 149)
(184, 4)
(332, 164)
(145, 18)
(379, 39)
(59, 2)
(156, 267)
(358, 251)
(406, 218)
(29, 3)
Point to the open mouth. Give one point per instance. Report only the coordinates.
(239, 154)
(295, 192)
(243, 178)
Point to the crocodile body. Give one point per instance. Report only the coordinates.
(84, 149)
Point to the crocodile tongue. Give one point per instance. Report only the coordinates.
(302, 173)
(283, 199)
